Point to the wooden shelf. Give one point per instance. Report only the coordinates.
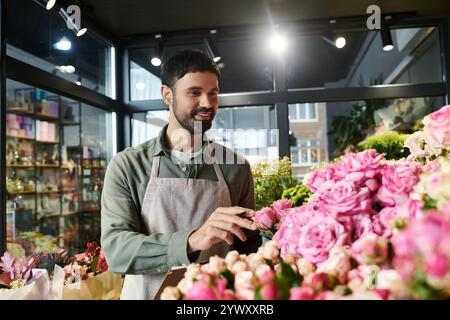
(47, 166)
(21, 138)
(23, 192)
(70, 213)
(70, 190)
(41, 116)
(47, 142)
(20, 112)
(70, 123)
(91, 210)
(19, 166)
(47, 192)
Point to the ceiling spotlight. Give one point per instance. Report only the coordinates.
(211, 49)
(340, 42)
(63, 44)
(386, 38)
(70, 24)
(278, 43)
(50, 4)
(157, 55)
(47, 4)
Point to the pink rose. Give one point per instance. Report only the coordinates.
(437, 126)
(370, 249)
(318, 177)
(425, 239)
(357, 225)
(265, 218)
(269, 291)
(301, 293)
(289, 228)
(397, 182)
(201, 290)
(358, 167)
(382, 221)
(344, 199)
(410, 209)
(322, 281)
(319, 236)
(281, 207)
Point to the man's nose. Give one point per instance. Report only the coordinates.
(205, 100)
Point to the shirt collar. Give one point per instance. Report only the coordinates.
(160, 147)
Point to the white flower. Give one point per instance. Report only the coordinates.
(270, 251)
(170, 293)
(255, 260)
(245, 284)
(231, 258)
(261, 270)
(238, 267)
(304, 267)
(185, 285)
(193, 271)
(216, 265)
(392, 281)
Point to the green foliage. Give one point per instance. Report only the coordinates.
(299, 194)
(270, 179)
(352, 128)
(389, 143)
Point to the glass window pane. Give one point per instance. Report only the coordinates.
(311, 111)
(147, 125)
(35, 34)
(316, 63)
(302, 111)
(57, 152)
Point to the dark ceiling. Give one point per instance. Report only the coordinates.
(136, 17)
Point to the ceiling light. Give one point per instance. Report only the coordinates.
(63, 44)
(140, 86)
(211, 49)
(66, 69)
(156, 61)
(50, 4)
(278, 43)
(77, 30)
(386, 38)
(340, 42)
(47, 4)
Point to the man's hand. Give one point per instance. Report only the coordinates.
(221, 225)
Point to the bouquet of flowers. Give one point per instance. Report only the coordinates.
(86, 277)
(19, 280)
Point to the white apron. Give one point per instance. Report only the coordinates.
(176, 204)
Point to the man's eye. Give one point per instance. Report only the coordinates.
(195, 93)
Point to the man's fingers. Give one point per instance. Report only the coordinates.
(237, 211)
(241, 222)
(223, 235)
(231, 227)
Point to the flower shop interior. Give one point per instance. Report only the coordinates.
(312, 94)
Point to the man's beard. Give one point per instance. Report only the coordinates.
(189, 123)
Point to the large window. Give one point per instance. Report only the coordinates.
(57, 153)
(250, 131)
(41, 38)
(314, 62)
(303, 112)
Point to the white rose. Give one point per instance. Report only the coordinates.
(185, 285)
(193, 271)
(255, 260)
(216, 265)
(304, 267)
(270, 252)
(261, 270)
(392, 281)
(170, 293)
(231, 258)
(238, 267)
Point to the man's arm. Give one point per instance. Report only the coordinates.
(127, 250)
(247, 200)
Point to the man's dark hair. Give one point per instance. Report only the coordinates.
(186, 61)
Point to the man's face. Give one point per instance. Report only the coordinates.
(195, 100)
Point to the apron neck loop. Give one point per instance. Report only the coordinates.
(155, 167)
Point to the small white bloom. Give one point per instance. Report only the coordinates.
(170, 293)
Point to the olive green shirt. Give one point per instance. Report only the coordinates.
(128, 247)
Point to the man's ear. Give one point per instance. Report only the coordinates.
(166, 94)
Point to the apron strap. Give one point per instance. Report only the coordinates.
(216, 167)
(155, 167)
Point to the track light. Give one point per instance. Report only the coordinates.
(211, 49)
(386, 38)
(47, 4)
(277, 43)
(339, 42)
(157, 54)
(77, 30)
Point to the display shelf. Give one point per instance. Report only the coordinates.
(23, 192)
(41, 116)
(47, 142)
(20, 138)
(47, 166)
(20, 112)
(20, 166)
(47, 192)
